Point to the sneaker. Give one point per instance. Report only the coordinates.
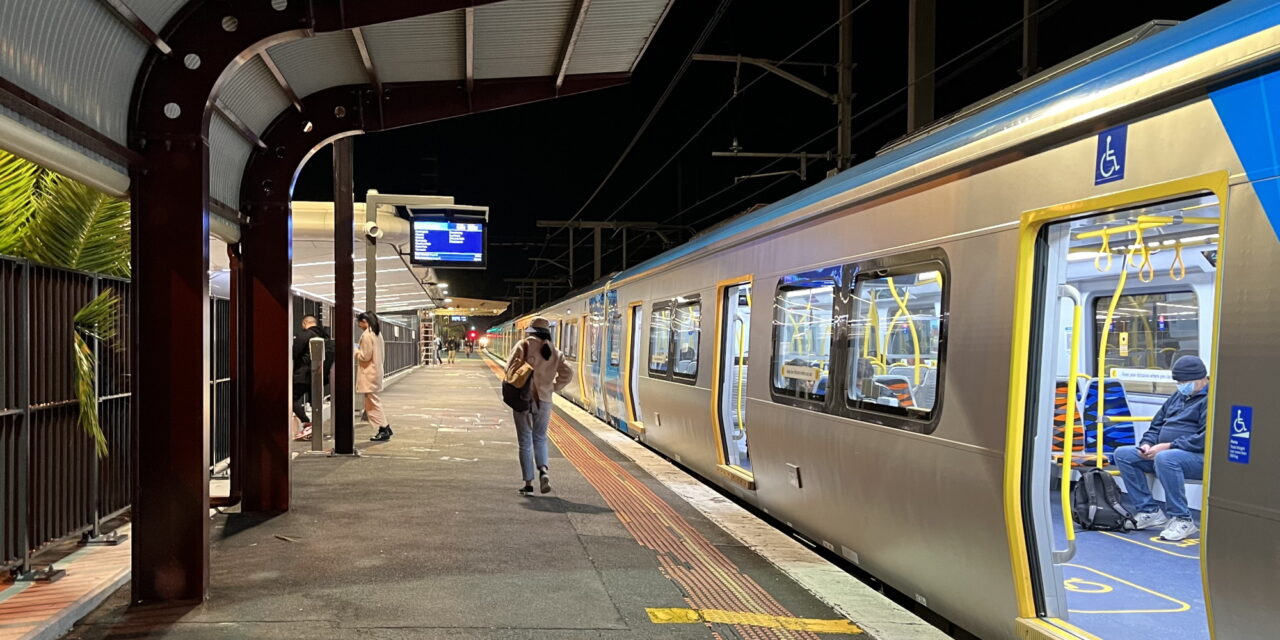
(526, 490)
(544, 483)
(1179, 529)
(305, 434)
(1150, 520)
(381, 436)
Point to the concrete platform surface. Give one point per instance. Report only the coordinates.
(425, 536)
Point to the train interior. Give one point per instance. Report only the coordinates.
(1125, 295)
(736, 315)
(895, 339)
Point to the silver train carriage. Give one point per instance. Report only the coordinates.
(946, 331)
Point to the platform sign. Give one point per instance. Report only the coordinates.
(448, 243)
(1239, 444)
(1108, 166)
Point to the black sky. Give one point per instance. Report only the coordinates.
(542, 161)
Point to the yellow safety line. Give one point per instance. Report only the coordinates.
(1152, 547)
(690, 616)
(1182, 606)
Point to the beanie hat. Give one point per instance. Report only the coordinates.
(1189, 368)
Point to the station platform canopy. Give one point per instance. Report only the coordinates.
(69, 69)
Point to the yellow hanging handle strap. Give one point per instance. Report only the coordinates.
(1146, 272)
(1100, 379)
(1177, 270)
(1104, 250)
(915, 337)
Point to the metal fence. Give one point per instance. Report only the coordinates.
(52, 485)
(219, 384)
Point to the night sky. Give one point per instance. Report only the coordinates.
(542, 161)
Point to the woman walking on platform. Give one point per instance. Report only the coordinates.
(550, 374)
(369, 377)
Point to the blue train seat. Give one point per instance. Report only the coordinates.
(1114, 434)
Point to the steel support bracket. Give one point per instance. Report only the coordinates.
(40, 573)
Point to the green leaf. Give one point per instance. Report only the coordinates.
(18, 179)
(97, 320)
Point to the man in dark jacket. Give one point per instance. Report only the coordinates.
(1172, 449)
(302, 367)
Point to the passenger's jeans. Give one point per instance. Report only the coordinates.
(1172, 467)
(531, 431)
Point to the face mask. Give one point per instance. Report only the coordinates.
(1186, 388)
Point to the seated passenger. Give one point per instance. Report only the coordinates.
(1172, 449)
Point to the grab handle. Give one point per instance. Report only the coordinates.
(1069, 436)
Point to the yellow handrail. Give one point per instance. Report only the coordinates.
(1068, 444)
(915, 337)
(1178, 265)
(742, 351)
(1102, 352)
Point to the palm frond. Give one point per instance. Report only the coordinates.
(18, 179)
(77, 227)
(96, 320)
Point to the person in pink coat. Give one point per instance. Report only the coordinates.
(550, 374)
(369, 358)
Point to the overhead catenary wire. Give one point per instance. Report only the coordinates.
(697, 133)
(937, 68)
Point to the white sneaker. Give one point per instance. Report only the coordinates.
(1150, 520)
(1179, 529)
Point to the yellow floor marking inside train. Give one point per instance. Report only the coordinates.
(813, 625)
(1182, 606)
(1189, 542)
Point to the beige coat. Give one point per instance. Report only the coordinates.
(369, 356)
(549, 375)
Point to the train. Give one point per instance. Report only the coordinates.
(948, 334)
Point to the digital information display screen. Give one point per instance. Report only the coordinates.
(441, 243)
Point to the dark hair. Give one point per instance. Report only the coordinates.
(545, 336)
(372, 319)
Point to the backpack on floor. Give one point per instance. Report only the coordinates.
(1095, 503)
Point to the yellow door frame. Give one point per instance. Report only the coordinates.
(738, 475)
(634, 421)
(1030, 625)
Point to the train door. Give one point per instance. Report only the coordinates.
(614, 403)
(1118, 290)
(595, 348)
(634, 320)
(729, 407)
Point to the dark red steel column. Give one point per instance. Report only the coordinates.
(171, 373)
(344, 293)
(265, 250)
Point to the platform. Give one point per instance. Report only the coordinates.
(426, 536)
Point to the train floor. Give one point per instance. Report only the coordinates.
(1134, 585)
(426, 536)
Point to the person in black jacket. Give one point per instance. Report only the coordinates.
(302, 367)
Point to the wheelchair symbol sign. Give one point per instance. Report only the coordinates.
(1239, 444)
(1109, 165)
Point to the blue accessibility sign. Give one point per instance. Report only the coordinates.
(1241, 434)
(1109, 164)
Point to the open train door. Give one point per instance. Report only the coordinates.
(1111, 292)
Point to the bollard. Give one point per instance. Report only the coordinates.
(317, 393)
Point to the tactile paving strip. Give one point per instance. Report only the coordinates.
(709, 579)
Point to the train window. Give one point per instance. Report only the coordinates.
(687, 325)
(802, 313)
(570, 343)
(593, 339)
(659, 339)
(895, 339)
(1149, 331)
(615, 334)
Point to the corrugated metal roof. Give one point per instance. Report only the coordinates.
(253, 94)
(312, 64)
(228, 154)
(422, 49)
(520, 39)
(155, 13)
(74, 55)
(614, 34)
